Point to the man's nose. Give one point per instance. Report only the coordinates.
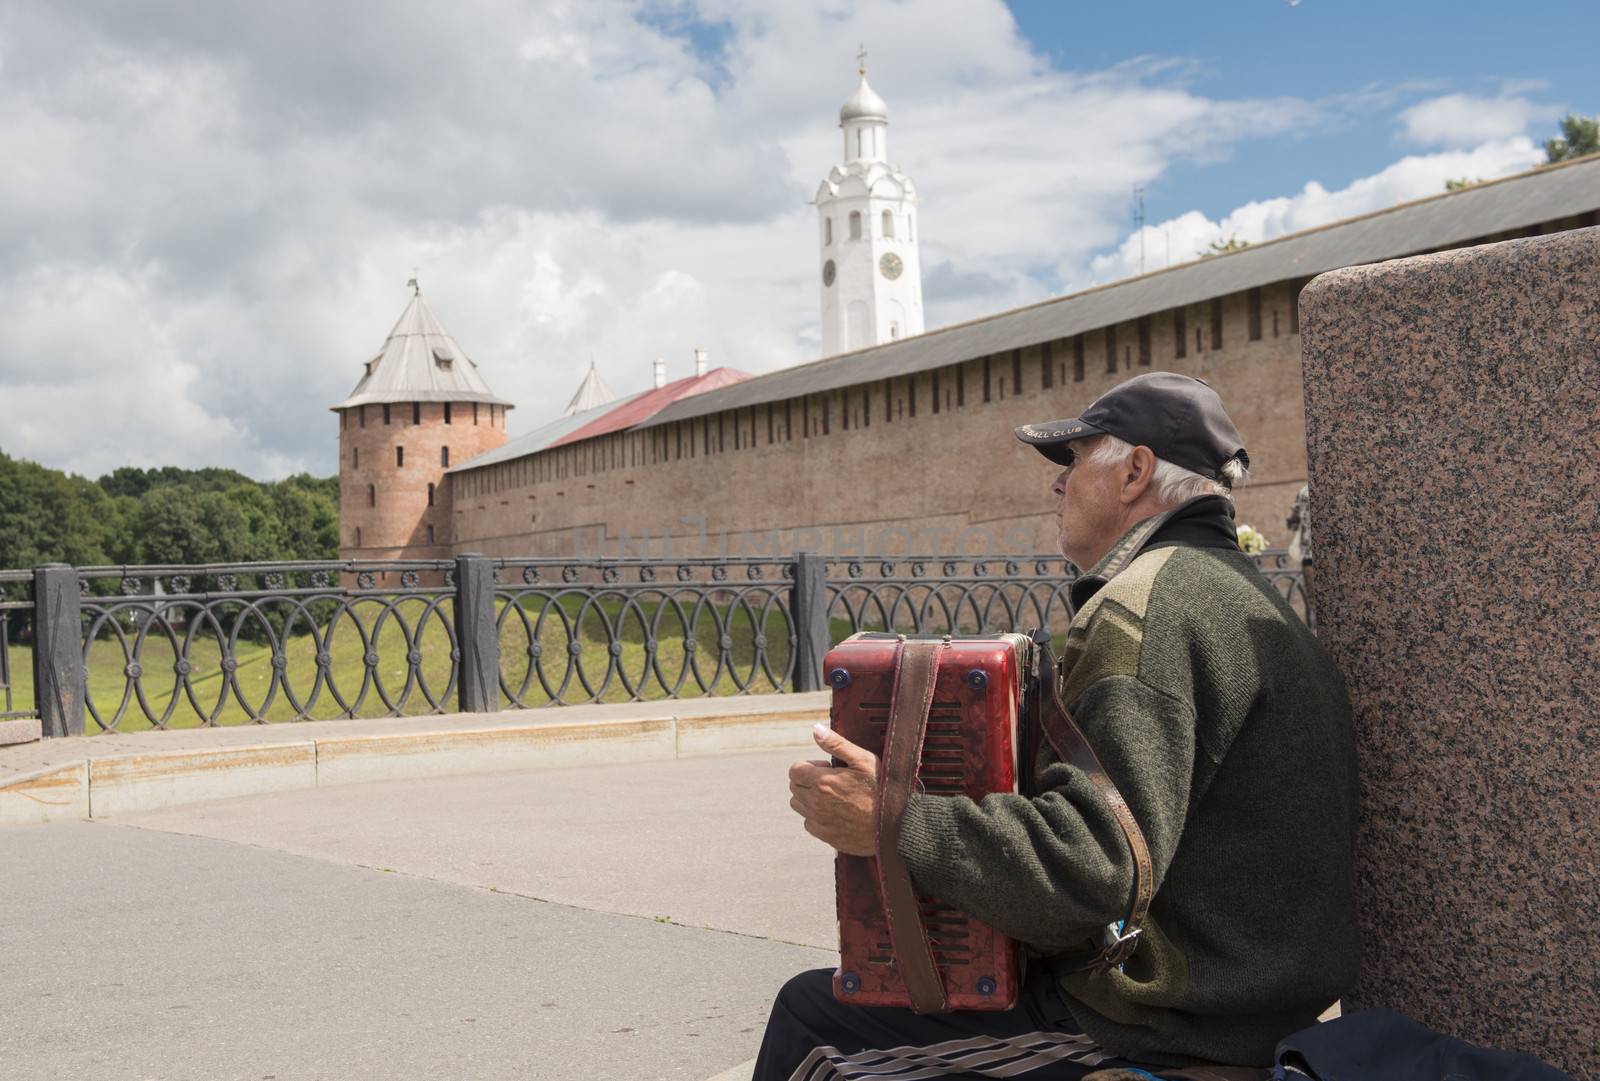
(1059, 487)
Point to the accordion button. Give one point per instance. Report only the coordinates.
(986, 986)
(850, 982)
(839, 678)
(977, 679)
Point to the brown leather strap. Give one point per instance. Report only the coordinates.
(916, 665)
(1073, 748)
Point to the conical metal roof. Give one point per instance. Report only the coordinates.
(591, 392)
(420, 362)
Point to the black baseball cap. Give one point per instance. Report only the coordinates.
(1178, 417)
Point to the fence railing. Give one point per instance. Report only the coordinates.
(117, 649)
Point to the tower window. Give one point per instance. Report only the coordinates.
(1180, 334)
(372, 495)
(430, 534)
(355, 457)
(475, 413)
(386, 412)
(1216, 323)
(430, 495)
(894, 329)
(827, 230)
(888, 225)
(855, 225)
(1111, 350)
(399, 456)
(911, 227)
(444, 455)
(1253, 313)
(358, 536)
(416, 412)
(1047, 365)
(858, 142)
(447, 412)
(1077, 359)
(1144, 342)
(363, 416)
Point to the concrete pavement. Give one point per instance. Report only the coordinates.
(114, 774)
(618, 922)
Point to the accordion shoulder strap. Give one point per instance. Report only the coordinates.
(1072, 747)
(916, 665)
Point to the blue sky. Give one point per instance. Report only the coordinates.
(1381, 55)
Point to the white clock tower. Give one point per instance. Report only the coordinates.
(867, 235)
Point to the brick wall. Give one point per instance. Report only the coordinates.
(855, 470)
(388, 501)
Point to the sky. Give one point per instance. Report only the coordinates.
(209, 209)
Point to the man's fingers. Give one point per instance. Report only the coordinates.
(806, 774)
(857, 758)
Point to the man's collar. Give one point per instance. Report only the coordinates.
(1129, 546)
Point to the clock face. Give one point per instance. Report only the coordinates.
(890, 265)
(828, 272)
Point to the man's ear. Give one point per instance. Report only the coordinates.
(1139, 469)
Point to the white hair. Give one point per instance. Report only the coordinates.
(1173, 483)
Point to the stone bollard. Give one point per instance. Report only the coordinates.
(1453, 431)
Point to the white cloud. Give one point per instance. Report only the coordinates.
(1183, 238)
(208, 214)
(1464, 120)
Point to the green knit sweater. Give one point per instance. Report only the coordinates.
(1221, 719)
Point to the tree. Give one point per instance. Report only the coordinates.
(47, 516)
(1580, 135)
(1460, 183)
(1223, 247)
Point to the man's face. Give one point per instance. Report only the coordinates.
(1089, 516)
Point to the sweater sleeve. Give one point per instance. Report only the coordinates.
(1052, 870)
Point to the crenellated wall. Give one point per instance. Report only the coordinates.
(878, 467)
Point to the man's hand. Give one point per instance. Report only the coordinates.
(838, 804)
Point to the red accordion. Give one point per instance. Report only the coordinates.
(948, 711)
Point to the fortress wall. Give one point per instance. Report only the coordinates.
(394, 521)
(855, 469)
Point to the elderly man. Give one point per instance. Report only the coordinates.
(1227, 730)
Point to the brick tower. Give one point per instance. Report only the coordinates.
(420, 408)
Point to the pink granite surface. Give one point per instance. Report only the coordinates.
(1453, 426)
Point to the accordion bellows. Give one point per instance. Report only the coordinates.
(970, 748)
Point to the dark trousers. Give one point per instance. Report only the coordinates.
(811, 1036)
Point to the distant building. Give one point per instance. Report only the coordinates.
(903, 442)
(420, 408)
(906, 446)
(867, 235)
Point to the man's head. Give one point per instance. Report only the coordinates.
(1150, 443)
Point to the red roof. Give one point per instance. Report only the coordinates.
(641, 408)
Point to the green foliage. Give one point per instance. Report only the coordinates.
(1223, 247)
(164, 515)
(1580, 135)
(1462, 182)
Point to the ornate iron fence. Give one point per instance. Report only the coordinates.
(16, 610)
(125, 648)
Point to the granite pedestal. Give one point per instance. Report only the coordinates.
(1453, 428)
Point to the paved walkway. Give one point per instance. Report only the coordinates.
(615, 922)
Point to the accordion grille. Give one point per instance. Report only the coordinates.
(941, 773)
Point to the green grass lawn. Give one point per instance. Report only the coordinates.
(210, 693)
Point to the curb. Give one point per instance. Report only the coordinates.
(97, 787)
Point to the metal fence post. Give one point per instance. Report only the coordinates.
(58, 668)
(809, 607)
(477, 636)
